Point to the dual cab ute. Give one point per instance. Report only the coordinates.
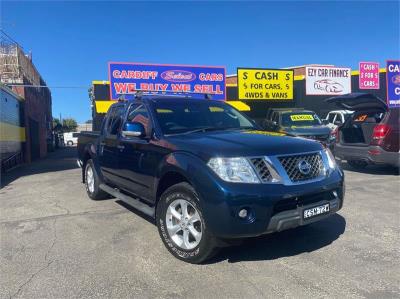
(206, 173)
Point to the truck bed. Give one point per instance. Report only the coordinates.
(85, 138)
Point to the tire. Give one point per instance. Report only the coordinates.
(92, 182)
(357, 164)
(194, 250)
(70, 143)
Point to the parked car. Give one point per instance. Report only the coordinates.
(299, 122)
(371, 135)
(337, 118)
(206, 173)
(71, 138)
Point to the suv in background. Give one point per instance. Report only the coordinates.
(299, 122)
(371, 135)
(337, 118)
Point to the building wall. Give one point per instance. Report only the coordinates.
(315, 103)
(12, 133)
(38, 120)
(258, 108)
(18, 70)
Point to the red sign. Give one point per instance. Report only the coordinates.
(369, 75)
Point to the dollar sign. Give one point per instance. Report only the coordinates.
(245, 86)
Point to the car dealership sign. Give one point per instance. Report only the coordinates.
(128, 78)
(265, 84)
(369, 75)
(393, 82)
(327, 80)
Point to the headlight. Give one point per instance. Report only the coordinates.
(331, 159)
(236, 170)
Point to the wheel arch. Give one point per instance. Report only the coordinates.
(168, 179)
(89, 154)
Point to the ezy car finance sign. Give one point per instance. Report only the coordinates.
(328, 80)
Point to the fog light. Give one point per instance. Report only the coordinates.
(243, 213)
(335, 193)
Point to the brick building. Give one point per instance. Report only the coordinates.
(20, 74)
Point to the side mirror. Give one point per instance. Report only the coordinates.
(325, 122)
(133, 129)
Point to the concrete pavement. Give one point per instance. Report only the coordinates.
(57, 243)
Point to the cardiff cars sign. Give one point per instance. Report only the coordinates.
(128, 78)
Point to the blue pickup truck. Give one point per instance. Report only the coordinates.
(206, 173)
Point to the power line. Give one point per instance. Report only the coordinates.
(45, 86)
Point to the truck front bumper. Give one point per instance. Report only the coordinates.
(270, 207)
(294, 218)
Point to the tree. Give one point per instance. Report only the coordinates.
(56, 125)
(69, 125)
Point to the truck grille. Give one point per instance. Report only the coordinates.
(262, 169)
(291, 166)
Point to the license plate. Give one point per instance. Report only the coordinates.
(312, 212)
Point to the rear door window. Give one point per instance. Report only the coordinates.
(114, 121)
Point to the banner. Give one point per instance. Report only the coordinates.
(128, 78)
(265, 84)
(369, 75)
(393, 83)
(327, 80)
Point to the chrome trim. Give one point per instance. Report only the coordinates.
(279, 173)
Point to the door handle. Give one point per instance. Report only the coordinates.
(120, 147)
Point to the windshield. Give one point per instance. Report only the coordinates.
(192, 116)
(300, 119)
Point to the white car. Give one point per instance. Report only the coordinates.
(337, 117)
(71, 138)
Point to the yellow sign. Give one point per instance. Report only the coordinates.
(300, 117)
(268, 133)
(265, 84)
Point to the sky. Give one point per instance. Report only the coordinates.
(71, 42)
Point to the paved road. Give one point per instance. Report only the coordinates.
(56, 243)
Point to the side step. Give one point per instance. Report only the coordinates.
(138, 205)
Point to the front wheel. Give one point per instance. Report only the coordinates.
(181, 225)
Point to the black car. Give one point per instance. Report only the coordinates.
(206, 173)
(299, 122)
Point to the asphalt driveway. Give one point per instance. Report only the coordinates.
(57, 243)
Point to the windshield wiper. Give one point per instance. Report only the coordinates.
(204, 129)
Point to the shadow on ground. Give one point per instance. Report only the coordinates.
(287, 243)
(61, 159)
(372, 169)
